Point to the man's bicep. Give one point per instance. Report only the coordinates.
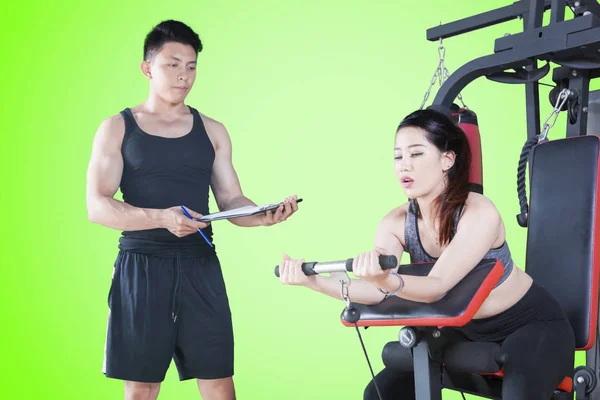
(224, 180)
(105, 168)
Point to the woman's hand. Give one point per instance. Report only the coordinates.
(366, 266)
(290, 273)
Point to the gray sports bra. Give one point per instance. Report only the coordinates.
(414, 247)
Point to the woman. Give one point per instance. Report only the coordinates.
(445, 223)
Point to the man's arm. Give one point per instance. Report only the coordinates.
(226, 186)
(103, 177)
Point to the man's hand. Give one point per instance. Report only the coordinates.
(179, 224)
(282, 213)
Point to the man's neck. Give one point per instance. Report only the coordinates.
(156, 105)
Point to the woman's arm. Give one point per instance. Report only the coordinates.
(360, 291)
(290, 273)
(477, 231)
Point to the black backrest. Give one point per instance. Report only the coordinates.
(562, 238)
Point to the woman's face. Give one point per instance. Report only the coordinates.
(419, 166)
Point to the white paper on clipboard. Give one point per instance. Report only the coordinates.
(245, 211)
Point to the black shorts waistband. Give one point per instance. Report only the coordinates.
(165, 249)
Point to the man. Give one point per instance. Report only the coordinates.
(167, 298)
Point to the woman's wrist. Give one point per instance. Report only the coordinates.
(313, 282)
(392, 285)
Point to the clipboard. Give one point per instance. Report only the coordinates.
(245, 211)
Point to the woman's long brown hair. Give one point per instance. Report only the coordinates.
(446, 135)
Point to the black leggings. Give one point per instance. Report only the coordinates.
(534, 333)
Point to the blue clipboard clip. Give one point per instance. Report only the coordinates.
(187, 214)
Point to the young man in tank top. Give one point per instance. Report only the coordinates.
(167, 298)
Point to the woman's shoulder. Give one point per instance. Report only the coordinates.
(393, 222)
(480, 207)
(395, 219)
(480, 201)
(396, 214)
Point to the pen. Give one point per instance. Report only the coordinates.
(187, 214)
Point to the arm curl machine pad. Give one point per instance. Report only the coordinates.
(456, 308)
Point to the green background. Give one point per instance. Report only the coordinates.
(311, 93)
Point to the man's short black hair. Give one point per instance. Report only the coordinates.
(170, 31)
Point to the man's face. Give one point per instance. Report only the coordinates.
(172, 71)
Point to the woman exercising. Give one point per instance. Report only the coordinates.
(445, 223)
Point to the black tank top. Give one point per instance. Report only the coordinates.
(161, 172)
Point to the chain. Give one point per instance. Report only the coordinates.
(344, 280)
(433, 79)
(441, 73)
(562, 98)
(345, 294)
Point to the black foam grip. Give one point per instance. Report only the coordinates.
(307, 268)
(394, 356)
(386, 262)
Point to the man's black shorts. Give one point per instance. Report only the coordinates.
(165, 307)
